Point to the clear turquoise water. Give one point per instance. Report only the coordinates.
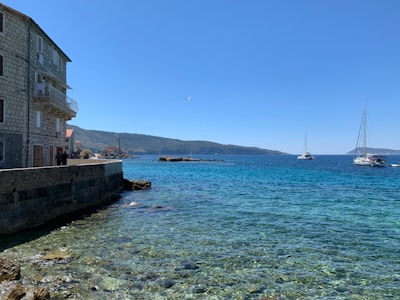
(242, 227)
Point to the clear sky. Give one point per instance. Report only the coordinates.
(258, 72)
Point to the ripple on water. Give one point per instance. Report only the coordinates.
(241, 230)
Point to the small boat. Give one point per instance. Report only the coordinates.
(370, 160)
(395, 165)
(366, 159)
(306, 155)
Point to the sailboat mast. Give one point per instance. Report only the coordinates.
(365, 130)
(305, 143)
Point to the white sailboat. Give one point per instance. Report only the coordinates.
(366, 159)
(306, 155)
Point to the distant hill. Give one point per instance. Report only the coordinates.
(140, 144)
(379, 151)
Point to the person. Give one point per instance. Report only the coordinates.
(64, 158)
(58, 158)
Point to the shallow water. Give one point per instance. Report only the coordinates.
(240, 227)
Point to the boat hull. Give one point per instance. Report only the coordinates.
(305, 156)
(302, 157)
(369, 161)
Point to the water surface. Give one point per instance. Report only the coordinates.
(239, 227)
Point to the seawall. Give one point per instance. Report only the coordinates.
(30, 197)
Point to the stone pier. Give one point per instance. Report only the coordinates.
(30, 197)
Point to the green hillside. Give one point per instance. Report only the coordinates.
(140, 144)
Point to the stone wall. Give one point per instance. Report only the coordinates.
(32, 196)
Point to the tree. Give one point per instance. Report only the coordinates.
(86, 153)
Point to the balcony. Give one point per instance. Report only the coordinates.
(54, 102)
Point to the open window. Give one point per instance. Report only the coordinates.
(2, 22)
(2, 111)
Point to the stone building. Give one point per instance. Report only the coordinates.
(34, 106)
(70, 143)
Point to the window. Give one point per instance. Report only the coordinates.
(39, 44)
(1, 66)
(58, 125)
(1, 150)
(56, 57)
(2, 111)
(38, 115)
(2, 22)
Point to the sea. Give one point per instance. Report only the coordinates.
(228, 227)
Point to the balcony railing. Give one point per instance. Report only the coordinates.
(55, 98)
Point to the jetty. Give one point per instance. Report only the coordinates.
(187, 158)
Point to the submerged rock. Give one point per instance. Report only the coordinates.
(112, 284)
(190, 265)
(253, 289)
(9, 270)
(166, 283)
(200, 289)
(41, 294)
(57, 255)
(18, 292)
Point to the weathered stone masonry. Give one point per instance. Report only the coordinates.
(32, 196)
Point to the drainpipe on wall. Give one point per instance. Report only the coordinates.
(28, 91)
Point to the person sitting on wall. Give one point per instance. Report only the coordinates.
(58, 158)
(64, 158)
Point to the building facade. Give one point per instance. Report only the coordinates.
(34, 106)
(70, 143)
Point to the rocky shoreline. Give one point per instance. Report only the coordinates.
(13, 286)
(10, 286)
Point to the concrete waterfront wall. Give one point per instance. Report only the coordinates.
(33, 196)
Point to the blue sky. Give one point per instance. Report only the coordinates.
(259, 72)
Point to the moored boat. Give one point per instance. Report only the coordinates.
(366, 159)
(371, 160)
(306, 155)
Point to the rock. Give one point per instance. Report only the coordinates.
(17, 293)
(253, 289)
(200, 289)
(190, 265)
(280, 280)
(9, 270)
(187, 158)
(166, 283)
(170, 158)
(93, 287)
(133, 185)
(57, 255)
(112, 284)
(41, 294)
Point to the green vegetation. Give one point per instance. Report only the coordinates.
(140, 144)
